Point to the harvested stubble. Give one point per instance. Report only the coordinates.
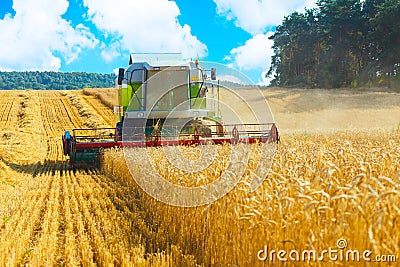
(91, 119)
(107, 96)
(321, 188)
(53, 216)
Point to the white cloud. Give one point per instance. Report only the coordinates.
(144, 26)
(263, 80)
(109, 53)
(254, 16)
(254, 55)
(37, 38)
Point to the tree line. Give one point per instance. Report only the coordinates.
(51, 80)
(341, 43)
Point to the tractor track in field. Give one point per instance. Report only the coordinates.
(73, 114)
(56, 113)
(10, 109)
(5, 106)
(106, 113)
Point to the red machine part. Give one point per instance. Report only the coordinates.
(235, 136)
(83, 140)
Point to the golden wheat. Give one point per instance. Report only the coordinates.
(321, 188)
(107, 96)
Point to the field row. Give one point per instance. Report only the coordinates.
(53, 216)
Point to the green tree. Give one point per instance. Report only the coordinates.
(386, 33)
(295, 47)
(54, 80)
(342, 35)
(342, 43)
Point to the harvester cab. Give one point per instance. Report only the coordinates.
(159, 91)
(164, 100)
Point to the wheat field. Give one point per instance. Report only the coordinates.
(322, 187)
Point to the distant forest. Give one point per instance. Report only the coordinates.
(342, 43)
(50, 80)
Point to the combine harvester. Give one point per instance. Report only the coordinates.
(163, 101)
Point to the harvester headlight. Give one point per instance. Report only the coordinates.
(140, 115)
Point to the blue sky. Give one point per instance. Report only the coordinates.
(98, 35)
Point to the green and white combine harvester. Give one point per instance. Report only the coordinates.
(164, 100)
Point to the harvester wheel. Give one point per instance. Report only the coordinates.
(156, 137)
(235, 135)
(66, 141)
(274, 134)
(196, 134)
